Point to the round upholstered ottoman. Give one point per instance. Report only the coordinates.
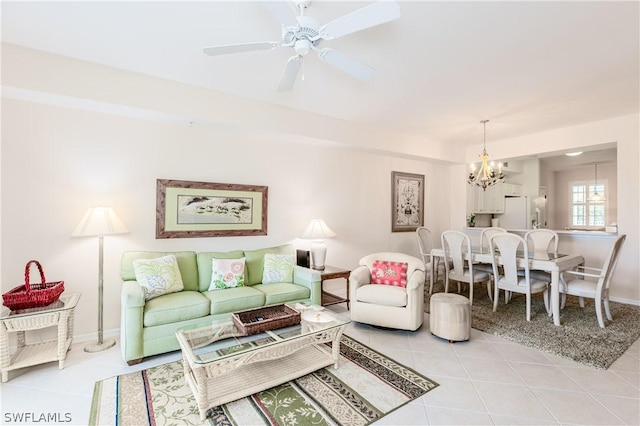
(450, 316)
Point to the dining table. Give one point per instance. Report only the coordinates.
(555, 264)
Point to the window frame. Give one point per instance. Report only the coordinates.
(589, 188)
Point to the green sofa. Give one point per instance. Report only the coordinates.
(148, 328)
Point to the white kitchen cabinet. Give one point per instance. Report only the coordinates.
(512, 190)
(488, 201)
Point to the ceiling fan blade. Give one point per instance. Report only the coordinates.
(290, 73)
(346, 64)
(281, 11)
(369, 16)
(243, 47)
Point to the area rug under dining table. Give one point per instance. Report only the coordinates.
(578, 338)
(366, 386)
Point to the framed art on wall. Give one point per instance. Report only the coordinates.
(186, 209)
(407, 194)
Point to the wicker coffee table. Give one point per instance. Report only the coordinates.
(221, 364)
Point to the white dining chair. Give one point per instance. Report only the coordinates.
(505, 248)
(456, 246)
(592, 283)
(425, 244)
(542, 242)
(485, 235)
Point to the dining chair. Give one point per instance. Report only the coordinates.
(425, 244)
(505, 250)
(456, 245)
(592, 283)
(542, 242)
(485, 235)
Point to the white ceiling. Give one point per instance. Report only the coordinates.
(440, 68)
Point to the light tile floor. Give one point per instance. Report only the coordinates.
(486, 380)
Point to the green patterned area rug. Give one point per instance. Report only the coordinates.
(578, 338)
(366, 386)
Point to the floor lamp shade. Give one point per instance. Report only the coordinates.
(99, 222)
(317, 230)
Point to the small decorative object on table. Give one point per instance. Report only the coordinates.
(33, 295)
(265, 318)
(471, 220)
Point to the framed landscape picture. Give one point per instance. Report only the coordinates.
(407, 205)
(186, 209)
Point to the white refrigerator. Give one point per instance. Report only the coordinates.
(516, 213)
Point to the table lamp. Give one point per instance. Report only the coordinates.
(98, 222)
(318, 231)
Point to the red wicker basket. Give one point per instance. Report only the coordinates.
(33, 295)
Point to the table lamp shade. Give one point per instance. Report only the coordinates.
(99, 221)
(318, 230)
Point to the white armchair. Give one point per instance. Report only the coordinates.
(388, 305)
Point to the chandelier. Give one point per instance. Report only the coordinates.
(486, 176)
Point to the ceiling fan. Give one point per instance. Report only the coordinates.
(303, 34)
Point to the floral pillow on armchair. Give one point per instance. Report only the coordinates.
(389, 273)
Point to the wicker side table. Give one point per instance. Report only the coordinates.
(59, 313)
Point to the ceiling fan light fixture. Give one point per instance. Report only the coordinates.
(302, 47)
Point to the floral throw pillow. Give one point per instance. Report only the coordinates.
(158, 276)
(278, 268)
(227, 273)
(389, 273)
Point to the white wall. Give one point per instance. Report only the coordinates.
(57, 162)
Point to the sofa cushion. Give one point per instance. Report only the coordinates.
(255, 261)
(204, 265)
(283, 292)
(175, 307)
(186, 263)
(277, 268)
(158, 276)
(234, 299)
(384, 295)
(226, 273)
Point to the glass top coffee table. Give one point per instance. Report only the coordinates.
(221, 364)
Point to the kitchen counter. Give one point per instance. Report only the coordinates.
(560, 232)
(594, 246)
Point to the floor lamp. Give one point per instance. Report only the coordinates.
(98, 222)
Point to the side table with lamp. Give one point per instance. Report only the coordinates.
(318, 230)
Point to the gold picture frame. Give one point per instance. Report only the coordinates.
(186, 209)
(407, 201)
